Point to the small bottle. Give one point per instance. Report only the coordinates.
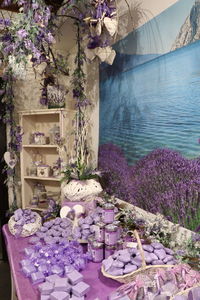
(108, 213)
(100, 232)
(33, 169)
(111, 235)
(97, 250)
(109, 250)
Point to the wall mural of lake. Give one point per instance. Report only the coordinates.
(150, 96)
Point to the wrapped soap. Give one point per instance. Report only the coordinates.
(57, 270)
(136, 261)
(69, 269)
(107, 263)
(160, 253)
(118, 264)
(80, 289)
(62, 285)
(59, 296)
(169, 251)
(124, 258)
(44, 269)
(29, 251)
(157, 262)
(34, 240)
(157, 245)
(153, 256)
(52, 278)
(28, 270)
(37, 277)
(74, 277)
(115, 271)
(130, 268)
(148, 248)
(25, 262)
(73, 297)
(46, 288)
(44, 297)
(168, 258)
(181, 297)
(195, 293)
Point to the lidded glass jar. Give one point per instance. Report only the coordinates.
(97, 251)
(108, 213)
(109, 250)
(100, 232)
(111, 235)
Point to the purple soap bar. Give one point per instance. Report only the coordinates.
(136, 261)
(34, 240)
(44, 269)
(52, 278)
(77, 298)
(157, 245)
(168, 258)
(37, 277)
(59, 296)
(46, 288)
(153, 256)
(80, 289)
(157, 262)
(57, 221)
(118, 296)
(44, 297)
(25, 262)
(29, 251)
(57, 270)
(62, 285)
(125, 258)
(28, 270)
(160, 253)
(130, 268)
(148, 248)
(69, 269)
(115, 271)
(74, 277)
(169, 251)
(195, 293)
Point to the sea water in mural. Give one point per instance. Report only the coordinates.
(150, 96)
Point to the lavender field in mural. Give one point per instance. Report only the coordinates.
(150, 96)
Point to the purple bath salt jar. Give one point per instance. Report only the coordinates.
(100, 232)
(111, 235)
(97, 251)
(108, 213)
(118, 224)
(89, 245)
(109, 250)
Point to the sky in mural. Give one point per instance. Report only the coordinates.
(150, 96)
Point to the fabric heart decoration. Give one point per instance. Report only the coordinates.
(77, 210)
(106, 54)
(10, 159)
(111, 25)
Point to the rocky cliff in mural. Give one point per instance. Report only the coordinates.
(190, 30)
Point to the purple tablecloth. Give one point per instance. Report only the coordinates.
(101, 287)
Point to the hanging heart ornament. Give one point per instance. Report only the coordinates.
(11, 159)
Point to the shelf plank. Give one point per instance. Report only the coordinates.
(42, 178)
(36, 208)
(40, 146)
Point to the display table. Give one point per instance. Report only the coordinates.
(101, 287)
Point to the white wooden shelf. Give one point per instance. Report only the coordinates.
(40, 146)
(43, 120)
(42, 178)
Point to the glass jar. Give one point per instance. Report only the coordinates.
(34, 201)
(120, 244)
(33, 169)
(111, 235)
(100, 232)
(109, 250)
(90, 241)
(108, 213)
(118, 224)
(97, 250)
(54, 134)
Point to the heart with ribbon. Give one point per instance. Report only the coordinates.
(11, 159)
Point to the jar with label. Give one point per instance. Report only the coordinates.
(39, 138)
(108, 213)
(90, 241)
(54, 134)
(111, 235)
(120, 244)
(109, 250)
(97, 250)
(33, 169)
(34, 201)
(100, 232)
(118, 224)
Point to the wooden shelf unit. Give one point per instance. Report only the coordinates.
(43, 120)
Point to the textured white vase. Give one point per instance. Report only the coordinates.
(77, 190)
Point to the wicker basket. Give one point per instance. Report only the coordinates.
(185, 292)
(28, 229)
(144, 268)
